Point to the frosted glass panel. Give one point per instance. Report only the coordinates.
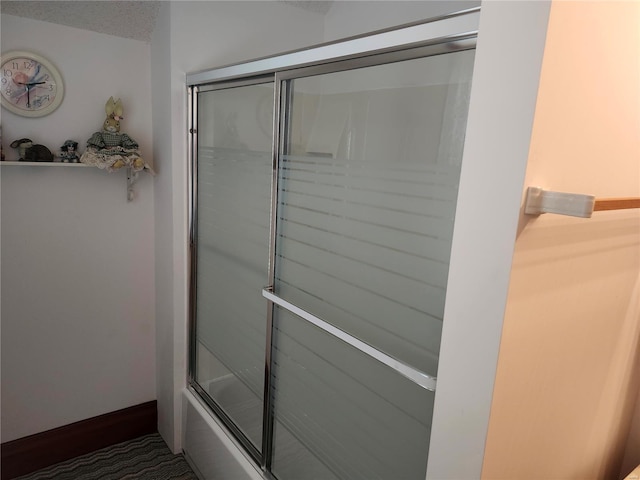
(340, 414)
(234, 191)
(367, 196)
(368, 185)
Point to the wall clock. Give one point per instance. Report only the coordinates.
(30, 85)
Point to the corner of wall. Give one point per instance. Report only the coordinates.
(509, 53)
(567, 374)
(164, 228)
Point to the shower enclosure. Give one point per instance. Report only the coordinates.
(324, 188)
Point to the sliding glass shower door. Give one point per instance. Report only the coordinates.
(368, 181)
(321, 259)
(233, 190)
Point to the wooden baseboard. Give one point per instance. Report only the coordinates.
(28, 454)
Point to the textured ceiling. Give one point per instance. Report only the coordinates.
(128, 19)
(311, 5)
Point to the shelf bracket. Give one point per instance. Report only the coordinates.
(132, 178)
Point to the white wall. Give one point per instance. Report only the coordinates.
(77, 259)
(503, 92)
(163, 233)
(348, 18)
(192, 36)
(569, 370)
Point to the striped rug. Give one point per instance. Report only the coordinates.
(145, 458)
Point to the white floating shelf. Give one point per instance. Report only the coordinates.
(43, 164)
(132, 176)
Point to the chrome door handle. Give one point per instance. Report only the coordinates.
(416, 376)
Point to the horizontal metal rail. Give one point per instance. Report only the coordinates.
(416, 376)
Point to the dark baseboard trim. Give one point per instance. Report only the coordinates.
(28, 454)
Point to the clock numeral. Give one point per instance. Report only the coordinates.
(46, 77)
(8, 91)
(51, 87)
(7, 73)
(38, 101)
(4, 80)
(28, 64)
(15, 65)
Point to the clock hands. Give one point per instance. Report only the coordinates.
(28, 85)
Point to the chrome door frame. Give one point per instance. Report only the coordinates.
(411, 41)
(193, 93)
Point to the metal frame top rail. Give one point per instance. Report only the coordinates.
(435, 30)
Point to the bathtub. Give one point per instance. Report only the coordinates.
(209, 447)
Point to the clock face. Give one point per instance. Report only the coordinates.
(29, 85)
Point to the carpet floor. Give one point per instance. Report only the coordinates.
(145, 458)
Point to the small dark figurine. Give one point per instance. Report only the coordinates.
(30, 152)
(69, 152)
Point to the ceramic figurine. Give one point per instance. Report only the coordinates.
(32, 153)
(69, 152)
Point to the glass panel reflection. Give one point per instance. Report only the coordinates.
(367, 198)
